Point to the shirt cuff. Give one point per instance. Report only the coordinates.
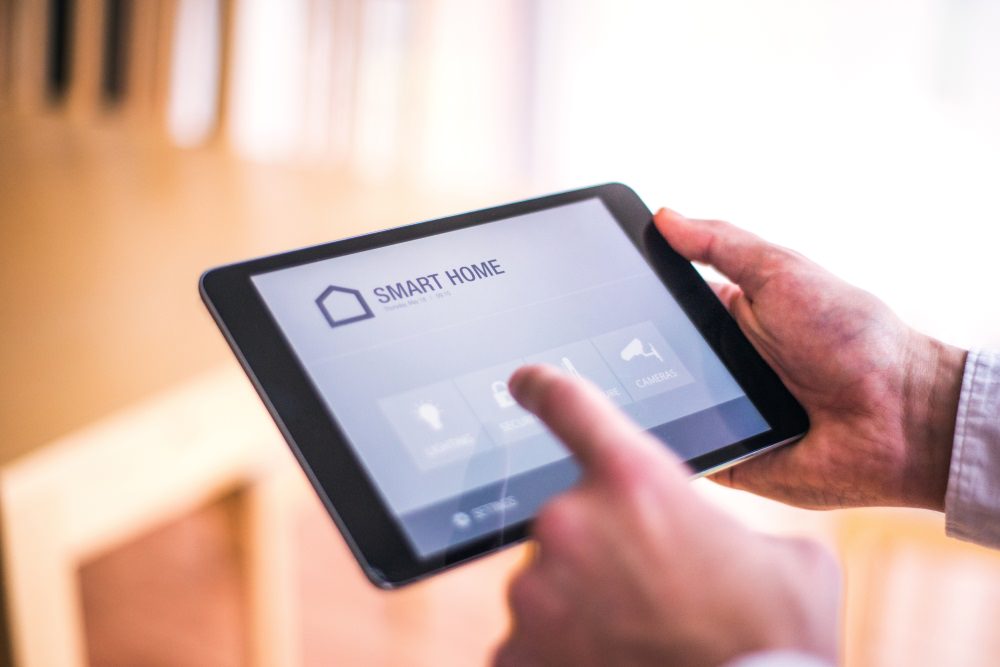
(972, 503)
(778, 659)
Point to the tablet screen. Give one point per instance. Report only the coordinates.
(410, 346)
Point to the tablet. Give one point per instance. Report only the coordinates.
(384, 360)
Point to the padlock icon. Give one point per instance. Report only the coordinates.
(501, 394)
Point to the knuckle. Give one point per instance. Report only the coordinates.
(522, 595)
(557, 522)
(534, 602)
(637, 467)
(784, 262)
(727, 291)
(641, 505)
(778, 260)
(717, 231)
(787, 278)
(628, 472)
(719, 226)
(501, 658)
(507, 655)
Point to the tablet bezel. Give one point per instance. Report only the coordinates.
(322, 448)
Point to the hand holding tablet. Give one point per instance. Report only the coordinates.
(385, 359)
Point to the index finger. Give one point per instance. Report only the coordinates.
(602, 437)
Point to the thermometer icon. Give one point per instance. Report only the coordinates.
(570, 368)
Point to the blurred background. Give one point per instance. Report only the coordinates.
(151, 514)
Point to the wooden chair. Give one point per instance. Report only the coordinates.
(89, 492)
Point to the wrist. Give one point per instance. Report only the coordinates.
(929, 406)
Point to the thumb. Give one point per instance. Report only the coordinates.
(744, 258)
(604, 440)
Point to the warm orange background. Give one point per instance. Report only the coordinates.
(862, 133)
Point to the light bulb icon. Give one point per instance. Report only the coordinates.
(430, 414)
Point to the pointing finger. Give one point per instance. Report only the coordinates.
(603, 439)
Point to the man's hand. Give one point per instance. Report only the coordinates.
(881, 397)
(634, 568)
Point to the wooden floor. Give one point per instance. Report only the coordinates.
(178, 592)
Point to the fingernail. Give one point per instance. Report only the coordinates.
(523, 384)
(517, 381)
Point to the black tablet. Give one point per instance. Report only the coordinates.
(384, 360)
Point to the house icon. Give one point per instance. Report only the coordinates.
(343, 305)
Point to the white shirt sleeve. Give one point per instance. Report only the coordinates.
(778, 659)
(972, 503)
